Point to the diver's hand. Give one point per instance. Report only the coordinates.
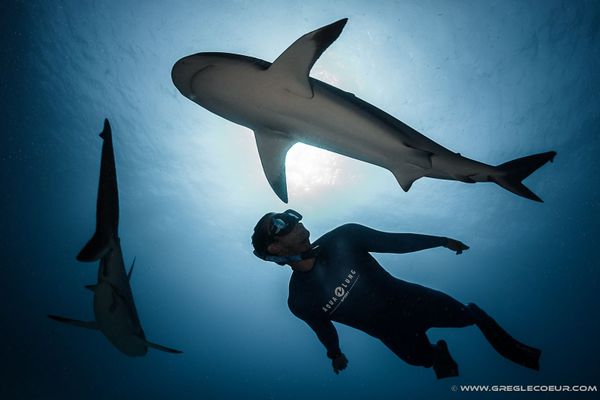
(455, 245)
(339, 363)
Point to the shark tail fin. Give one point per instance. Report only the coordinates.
(512, 173)
(95, 249)
(163, 348)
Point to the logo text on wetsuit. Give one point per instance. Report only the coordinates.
(341, 292)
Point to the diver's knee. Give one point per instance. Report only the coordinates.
(426, 362)
(425, 356)
(472, 312)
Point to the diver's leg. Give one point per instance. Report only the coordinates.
(502, 342)
(434, 309)
(415, 349)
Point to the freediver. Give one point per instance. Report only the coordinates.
(337, 279)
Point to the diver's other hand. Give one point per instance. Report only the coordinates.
(455, 245)
(339, 363)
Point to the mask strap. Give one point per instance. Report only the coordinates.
(282, 260)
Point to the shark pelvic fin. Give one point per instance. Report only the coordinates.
(294, 64)
(91, 287)
(95, 249)
(407, 175)
(75, 322)
(131, 270)
(272, 149)
(162, 348)
(415, 166)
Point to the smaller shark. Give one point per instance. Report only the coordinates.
(283, 105)
(114, 308)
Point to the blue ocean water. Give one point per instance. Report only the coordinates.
(492, 80)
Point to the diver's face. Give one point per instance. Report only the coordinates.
(295, 242)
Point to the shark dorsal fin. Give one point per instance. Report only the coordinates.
(295, 63)
(95, 249)
(131, 270)
(272, 149)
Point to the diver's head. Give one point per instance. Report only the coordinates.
(281, 238)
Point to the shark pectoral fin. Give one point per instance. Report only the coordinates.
(407, 175)
(75, 322)
(295, 63)
(91, 287)
(272, 149)
(95, 249)
(162, 348)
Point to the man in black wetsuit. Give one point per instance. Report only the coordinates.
(336, 279)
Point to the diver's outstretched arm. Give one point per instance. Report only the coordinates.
(372, 240)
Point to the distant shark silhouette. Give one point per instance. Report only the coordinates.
(283, 106)
(114, 308)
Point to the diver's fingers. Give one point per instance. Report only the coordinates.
(462, 247)
(456, 245)
(339, 363)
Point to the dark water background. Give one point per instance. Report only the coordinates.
(493, 80)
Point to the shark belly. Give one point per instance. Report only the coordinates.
(245, 93)
(114, 308)
(339, 122)
(115, 321)
(336, 121)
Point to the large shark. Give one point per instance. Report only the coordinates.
(114, 308)
(283, 106)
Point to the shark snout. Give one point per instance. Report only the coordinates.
(189, 74)
(183, 72)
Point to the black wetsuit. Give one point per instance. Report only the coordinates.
(348, 285)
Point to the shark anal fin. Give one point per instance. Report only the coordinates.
(75, 322)
(272, 149)
(295, 63)
(163, 348)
